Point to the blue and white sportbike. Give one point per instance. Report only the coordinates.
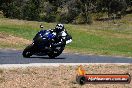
(42, 45)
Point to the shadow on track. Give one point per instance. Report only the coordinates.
(42, 57)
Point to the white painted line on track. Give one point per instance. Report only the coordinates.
(10, 66)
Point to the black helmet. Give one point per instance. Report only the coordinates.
(59, 28)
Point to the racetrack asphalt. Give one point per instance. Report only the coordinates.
(15, 57)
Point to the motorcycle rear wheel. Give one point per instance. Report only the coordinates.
(27, 51)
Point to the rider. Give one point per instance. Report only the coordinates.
(62, 35)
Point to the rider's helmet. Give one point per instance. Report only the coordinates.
(59, 28)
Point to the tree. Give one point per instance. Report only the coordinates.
(117, 7)
(31, 10)
(67, 11)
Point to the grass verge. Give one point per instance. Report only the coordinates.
(103, 38)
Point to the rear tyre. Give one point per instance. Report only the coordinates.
(27, 51)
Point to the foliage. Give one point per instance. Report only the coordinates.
(65, 11)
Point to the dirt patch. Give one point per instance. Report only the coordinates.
(13, 40)
(59, 77)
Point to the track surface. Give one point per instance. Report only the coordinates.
(15, 57)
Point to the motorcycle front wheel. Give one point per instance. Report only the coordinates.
(56, 52)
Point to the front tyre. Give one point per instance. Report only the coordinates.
(27, 51)
(56, 52)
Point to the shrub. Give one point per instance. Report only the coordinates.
(80, 19)
(50, 18)
(1, 14)
(83, 18)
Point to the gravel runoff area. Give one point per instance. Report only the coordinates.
(62, 76)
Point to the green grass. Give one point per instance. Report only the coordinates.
(99, 38)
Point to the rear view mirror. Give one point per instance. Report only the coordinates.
(41, 26)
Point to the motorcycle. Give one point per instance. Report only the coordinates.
(42, 45)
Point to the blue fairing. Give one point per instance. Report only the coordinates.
(46, 34)
(43, 37)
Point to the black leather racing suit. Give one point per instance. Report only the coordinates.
(62, 38)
